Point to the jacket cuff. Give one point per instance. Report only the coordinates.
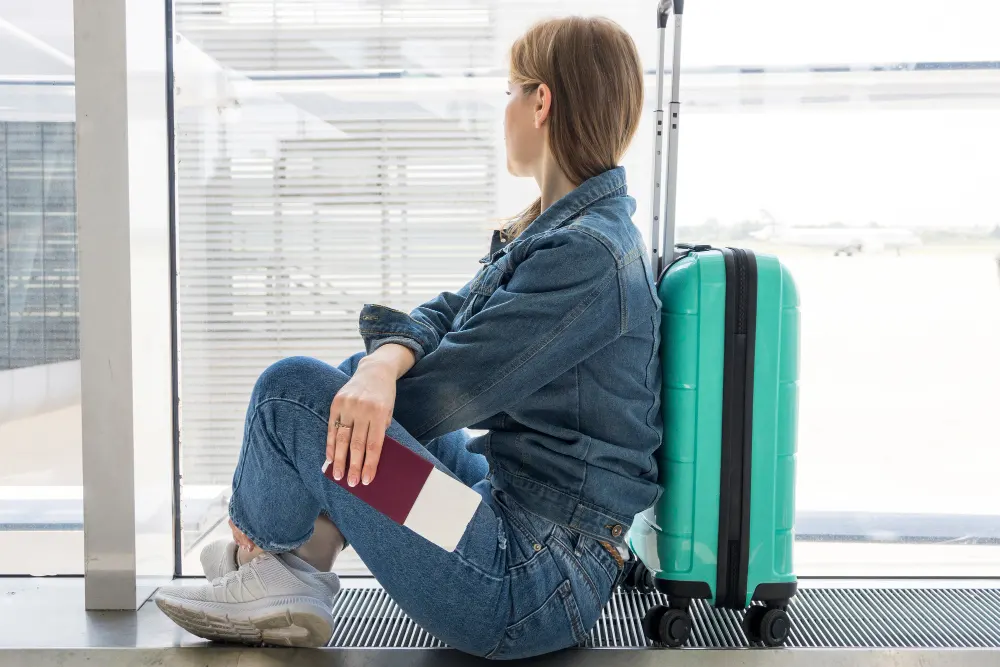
(380, 325)
(409, 343)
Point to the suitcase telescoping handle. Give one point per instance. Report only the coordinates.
(662, 241)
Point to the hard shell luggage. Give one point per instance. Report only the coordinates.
(722, 529)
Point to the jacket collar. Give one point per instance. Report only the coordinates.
(610, 183)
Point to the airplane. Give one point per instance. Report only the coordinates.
(843, 240)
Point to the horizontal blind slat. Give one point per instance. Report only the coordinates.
(284, 231)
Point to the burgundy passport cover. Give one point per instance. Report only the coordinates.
(400, 476)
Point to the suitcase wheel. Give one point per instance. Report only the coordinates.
(639, 579)
(667, 627)
(768, 626)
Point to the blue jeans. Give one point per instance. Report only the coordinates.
(516, 586)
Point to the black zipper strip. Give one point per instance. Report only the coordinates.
(724, 554)
(737, 428)
(750, 299)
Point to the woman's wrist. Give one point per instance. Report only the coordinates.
(396, 359)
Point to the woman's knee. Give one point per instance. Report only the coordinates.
(299, 379)
(279, 375)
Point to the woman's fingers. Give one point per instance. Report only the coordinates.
(359, 418)
(342, 443)
(331, 443)
(331, 430)
(359, 438)
(373, 452)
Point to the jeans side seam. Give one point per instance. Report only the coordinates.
(572, 608)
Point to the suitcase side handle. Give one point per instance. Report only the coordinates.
(681, 250)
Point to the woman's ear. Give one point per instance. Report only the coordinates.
(543, 104)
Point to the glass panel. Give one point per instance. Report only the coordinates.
(867, 164)
(897, 268)
(41, 512)
(333, 153)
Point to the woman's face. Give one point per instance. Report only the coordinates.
(524, 135)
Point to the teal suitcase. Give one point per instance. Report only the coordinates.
(722, 530)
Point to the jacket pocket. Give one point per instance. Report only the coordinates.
(488, 279)
(553, 626)
(482, 287)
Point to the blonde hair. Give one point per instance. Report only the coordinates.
(592, 67)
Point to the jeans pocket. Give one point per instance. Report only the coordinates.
(553, 626)
(605, 557)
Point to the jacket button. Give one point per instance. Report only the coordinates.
(616, 531)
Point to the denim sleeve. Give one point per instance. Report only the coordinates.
(561, 305)
(421, 331)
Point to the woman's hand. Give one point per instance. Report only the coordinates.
(362, 412)
(244, 542)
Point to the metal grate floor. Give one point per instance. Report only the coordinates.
(821, 618)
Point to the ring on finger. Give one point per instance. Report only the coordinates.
(340, 424)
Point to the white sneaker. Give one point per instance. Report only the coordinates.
(278, 600)
(219, 559)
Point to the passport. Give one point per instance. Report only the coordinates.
(409, 490)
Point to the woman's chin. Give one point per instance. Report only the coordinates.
(515, 171)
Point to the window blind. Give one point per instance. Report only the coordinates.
(39, 309)
(324, 35)
(306, 197)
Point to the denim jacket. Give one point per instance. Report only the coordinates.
(553, 349)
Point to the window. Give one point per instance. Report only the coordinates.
(861, 153)
(335, 153)
(309, 184)
(40, 485)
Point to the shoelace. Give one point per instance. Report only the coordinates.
(320, 587)
(237, 577)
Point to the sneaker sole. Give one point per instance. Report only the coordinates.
(297, 621)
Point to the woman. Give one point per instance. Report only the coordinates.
(552, 349)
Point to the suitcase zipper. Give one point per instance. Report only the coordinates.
(741, 304)
(737, 422)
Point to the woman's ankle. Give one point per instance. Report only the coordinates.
(322, 549)
(244, 556)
